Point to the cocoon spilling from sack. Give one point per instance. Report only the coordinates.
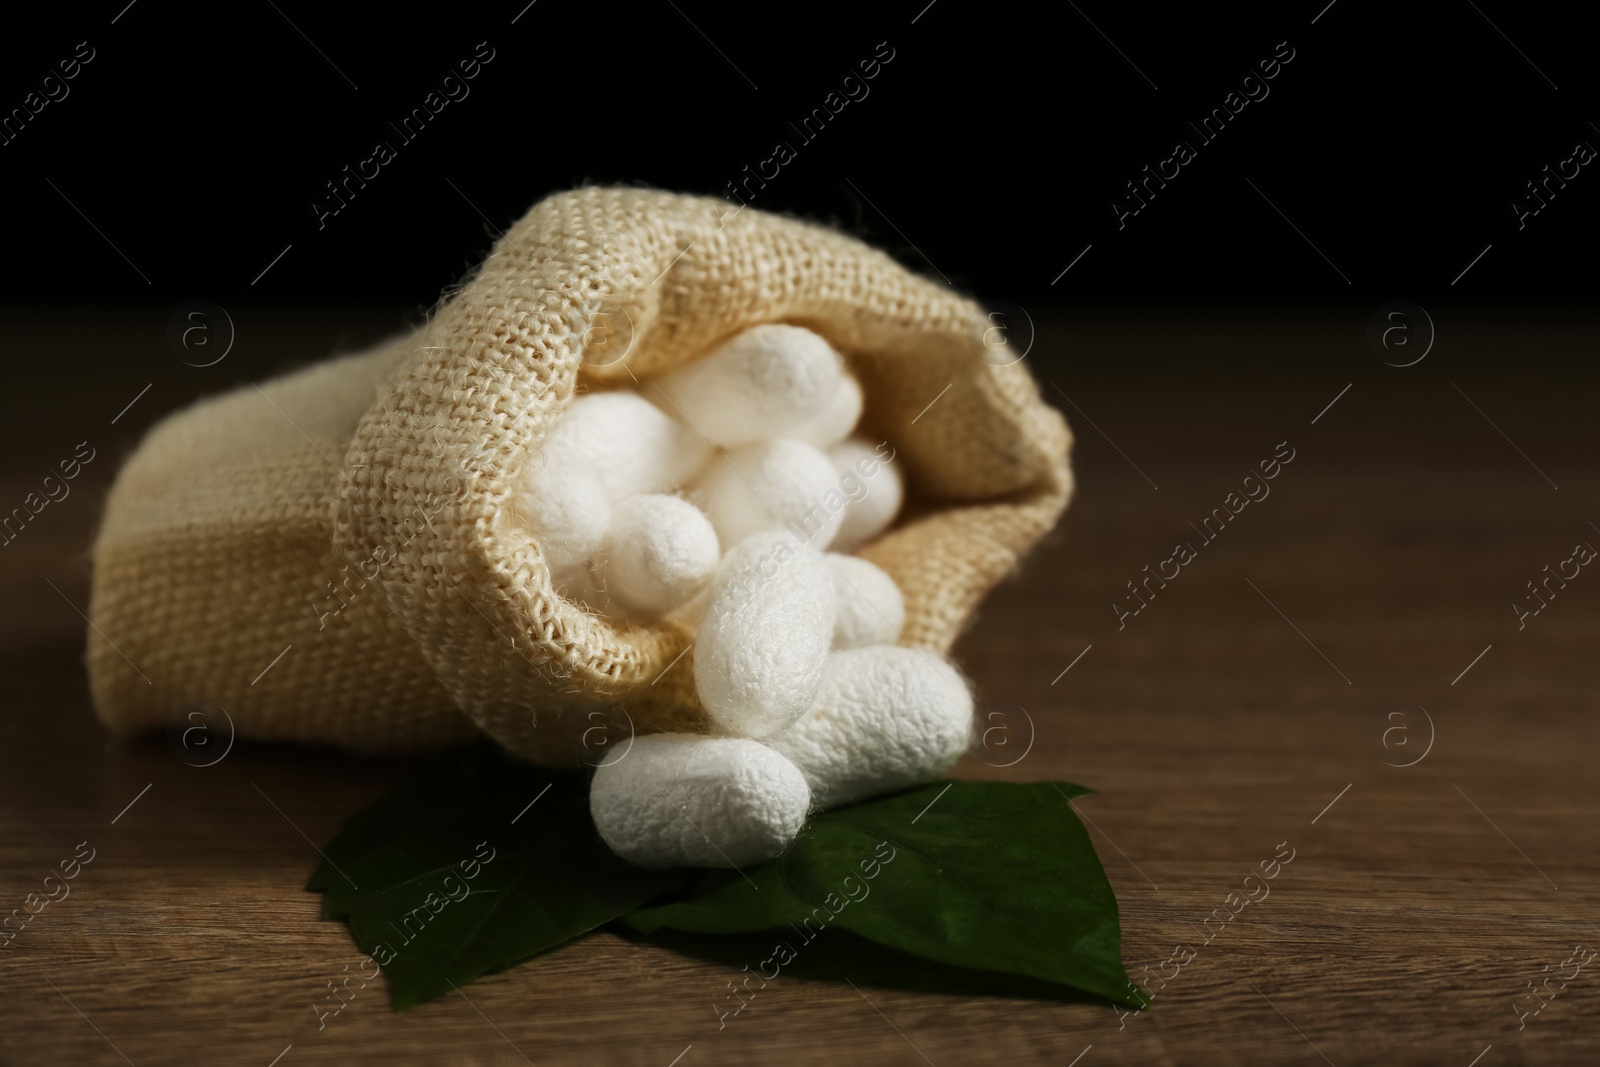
(454, 533)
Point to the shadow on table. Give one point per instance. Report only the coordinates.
(837, 956)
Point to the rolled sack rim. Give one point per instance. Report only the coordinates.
(491, 374)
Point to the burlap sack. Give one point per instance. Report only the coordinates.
(336, 556)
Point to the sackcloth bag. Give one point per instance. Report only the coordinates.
(354, 525)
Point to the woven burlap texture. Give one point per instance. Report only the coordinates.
(217, 603)
(455, 611)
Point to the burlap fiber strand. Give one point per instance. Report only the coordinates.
(355, 519)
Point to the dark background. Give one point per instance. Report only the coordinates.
(987, 151)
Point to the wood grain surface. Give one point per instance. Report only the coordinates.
(1357, 619)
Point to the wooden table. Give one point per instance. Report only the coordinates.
(1267, 695)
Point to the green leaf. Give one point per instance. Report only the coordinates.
(453, 875)
(480, 862)
(992, 876)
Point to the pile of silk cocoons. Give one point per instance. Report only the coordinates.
(727, 495)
